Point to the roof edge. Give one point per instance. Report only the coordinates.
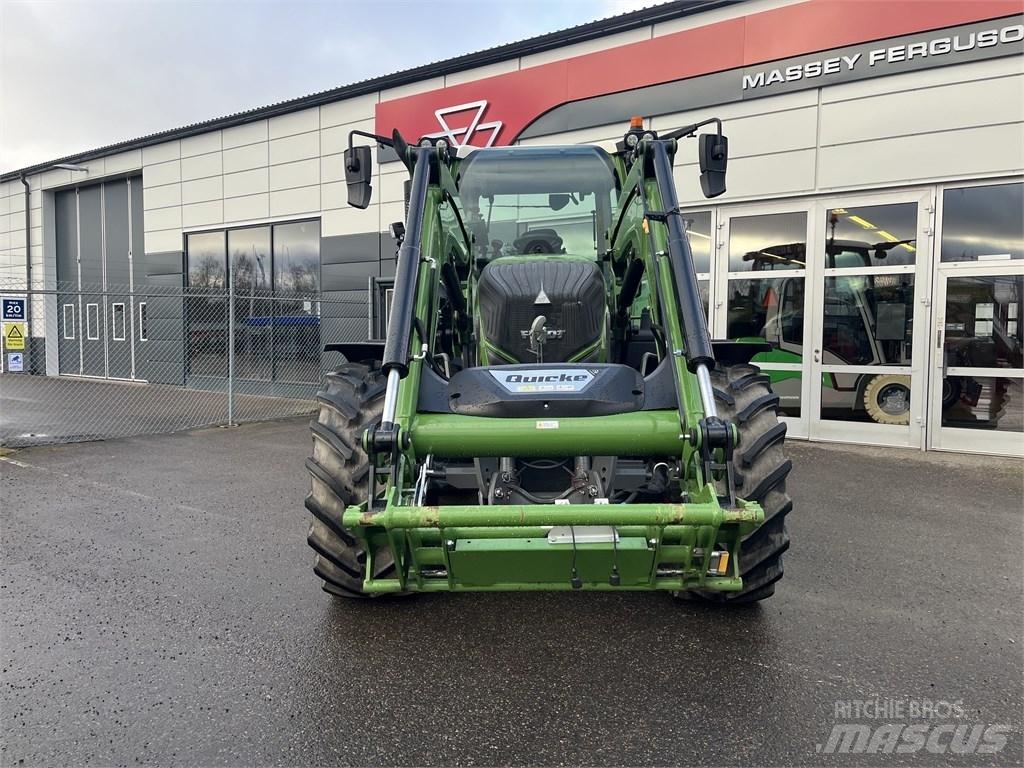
(590, 30)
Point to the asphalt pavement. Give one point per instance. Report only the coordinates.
(42, 410)
(158, 607)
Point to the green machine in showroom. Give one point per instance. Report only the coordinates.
(548, 411)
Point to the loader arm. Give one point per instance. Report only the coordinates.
(550, 474)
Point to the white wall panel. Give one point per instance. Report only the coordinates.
(161, 197)
(303, 173)
(392, 187)
(240, 135)
(55, 178)
(984, 102)
(161, 173)
(245, 158)
(201, 166)
(246, 183)
(761, 176)
(333, 195)
(391, 212)
(348, 111)
(247, 208)
(202, 190)
(292, 148)
(925, 78)
(757, 127)
(906, 159)
(202, 214)
(296, 122)
(124, 161)
(332, 168)
(412, 88)
(162, 241)
(162, 218)
(335, 139)
(349, 221)
(291, 202)
(202, 144)
(161, 153)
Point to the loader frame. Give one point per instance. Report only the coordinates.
(454, 547)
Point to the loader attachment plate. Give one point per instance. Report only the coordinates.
(492, 548)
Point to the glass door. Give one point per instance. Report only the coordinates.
(978, 377)
(869, 277)
(977, 391)
(759, 294)
(701, 229)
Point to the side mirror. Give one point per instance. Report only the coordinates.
(358, 172)
(713, 149)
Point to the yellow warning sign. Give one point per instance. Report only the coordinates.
(14, 335)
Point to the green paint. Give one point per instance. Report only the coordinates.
(488, 548)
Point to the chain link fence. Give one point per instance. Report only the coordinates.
(91, 362)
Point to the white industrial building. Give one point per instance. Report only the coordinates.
(876, 172)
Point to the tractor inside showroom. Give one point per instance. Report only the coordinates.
(548, 411)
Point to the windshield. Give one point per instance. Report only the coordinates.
(538, 200)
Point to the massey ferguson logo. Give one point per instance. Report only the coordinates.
(450, 119)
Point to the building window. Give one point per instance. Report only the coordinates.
(297, 257)
(249, 249)
(117, 321)
(207, 262)
(69, 321)
(768, 242)
(274, 273)
(92, 322)
(983, 223)
(871, 236)
(698, 230)
(143, 324)
(382, 292)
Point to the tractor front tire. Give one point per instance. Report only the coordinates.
(743, 396)
(352, 399)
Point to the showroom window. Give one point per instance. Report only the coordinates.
(871, 236)
(275, 275)
(983, 223)
(207, 263)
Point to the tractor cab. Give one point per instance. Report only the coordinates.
(539, 218)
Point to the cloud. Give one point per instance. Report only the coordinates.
(78, 75)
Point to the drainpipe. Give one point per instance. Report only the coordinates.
(28, 276)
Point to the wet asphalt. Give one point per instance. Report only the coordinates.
(158, 607)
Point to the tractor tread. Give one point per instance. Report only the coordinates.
(753, 407)
(751, 451)
(351, 400)
(336, 441)
(756, 406)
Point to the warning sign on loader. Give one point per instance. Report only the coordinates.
(14, 336)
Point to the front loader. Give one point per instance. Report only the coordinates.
(548, 411)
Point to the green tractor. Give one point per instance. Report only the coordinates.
(548, 411)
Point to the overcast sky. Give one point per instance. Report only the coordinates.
(78, 75)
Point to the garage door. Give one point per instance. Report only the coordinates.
(98, 333)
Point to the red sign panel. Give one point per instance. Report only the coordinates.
(494, 110)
